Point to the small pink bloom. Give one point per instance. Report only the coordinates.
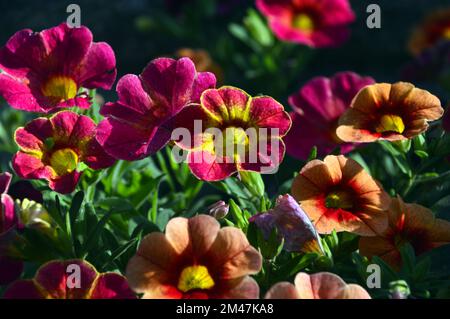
(323, 285)
(53, 148)
(54, 281)
(317, 108)
(137, 125)
(10, 269)
(231, 131)
(45, 70)
(313, 23)
(7, 211)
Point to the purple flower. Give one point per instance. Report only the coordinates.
(292, 224)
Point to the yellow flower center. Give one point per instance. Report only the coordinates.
(339, 199)
(303, 22)
(234, 142)
(195, 277)
(390, 123)
(64, 161)
(60, 88)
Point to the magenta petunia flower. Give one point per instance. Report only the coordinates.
(53, 148)
(231, 131)
(314, 23)
(10, 269)
(317, 108)
(138, 124)
(45, 70)
(70, 279)
(7, 211)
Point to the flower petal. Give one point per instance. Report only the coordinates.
(282, 290)
(233, 255)
(112, 286)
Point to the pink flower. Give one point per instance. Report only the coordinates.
(230, 131)
(313, 23)
(10, 269)
(53, 148)
(317, 108)
(137, 125)
(323, 285)
(45, 70)
(53, 281)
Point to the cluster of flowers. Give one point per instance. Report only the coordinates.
(49, 71)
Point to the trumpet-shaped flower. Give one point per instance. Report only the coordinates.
(138, 124)
(53, 148)
(434, 29)
(314, 23)
(70, 279)
(322, 285)
(390, 112)
(317, 108)
(8, 218)
(338, 194)
(45, 70)
(10, 269)
(292, 223)
(231, 131)
(195, 259)
(408, 223)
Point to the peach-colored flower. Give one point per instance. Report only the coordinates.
(390, 112)
(323, 285)
(338, 194)
(195, 259)
(435, 28)
(408, 223)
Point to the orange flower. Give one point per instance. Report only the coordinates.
(435, 28)
(203, 61)
(322, 285)
(195, 259)
(408, 223)
(388, 112)
(337, 194)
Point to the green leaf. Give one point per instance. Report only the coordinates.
(312, 154)
(258, 28)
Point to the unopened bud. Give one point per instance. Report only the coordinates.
(218, 210)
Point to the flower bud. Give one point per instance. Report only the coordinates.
(218, 210)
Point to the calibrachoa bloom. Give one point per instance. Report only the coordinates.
(293, 224)
(317, 108)
(434, 29)
(10, 269)
(338, 194)
(408, 223)
(236, 132)
(390, 112)
(195, 259)
(322, 285)
(314, 23)
(8, 218)
(53, 148)
(137, 125)
(56, 280)
(45, 70)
